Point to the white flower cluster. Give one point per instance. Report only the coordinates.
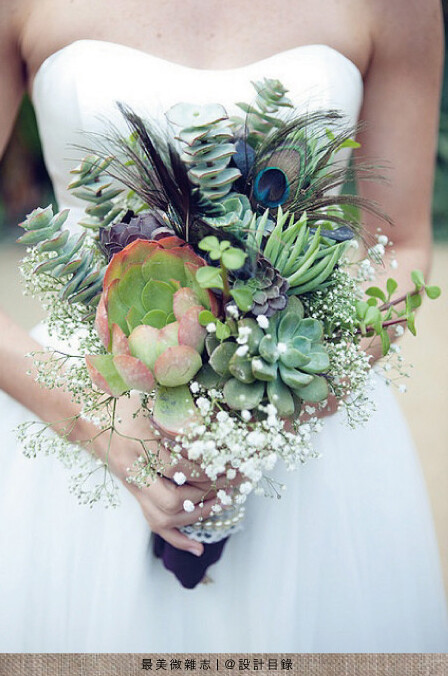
(351, 382)
(90, 478)
(334, 306)
(349, 365)
(250, 442)
(393, 368)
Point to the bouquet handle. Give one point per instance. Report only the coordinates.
(189, 569)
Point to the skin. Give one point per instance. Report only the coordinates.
(396, 45)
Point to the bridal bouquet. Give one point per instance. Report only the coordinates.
(212, 274)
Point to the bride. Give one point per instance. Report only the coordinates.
(347, 560)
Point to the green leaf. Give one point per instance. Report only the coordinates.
(210, 243)
(221, 356)
(208, 378)
(155, 318)
(263, 370)
(241, 369)
(361, 309)
(350, 143)
(415, 301)
(177, 365)
(433, 292)
(372, 302)
(372, 315)
(157, 295)
(233, 258)
(312, 329)
(255, 336)
(385, 341)
(391, 286)
(317, 390)
(100, 367)
(243, 297)
(294, 378)
(376, 292)
(417, 278)
(241, 396)
(215, 254)
(133, 319)
(222, 331)
(174, 408)
(209, 278)
(206, 317)
(411, 323)
(280, 396)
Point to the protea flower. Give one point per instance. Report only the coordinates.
(147, 319)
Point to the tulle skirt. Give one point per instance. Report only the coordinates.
(346, 561)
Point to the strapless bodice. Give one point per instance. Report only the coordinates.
(75, 90)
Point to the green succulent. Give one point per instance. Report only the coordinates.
(208, 147)
(147, 320)
(305, 256)
(236, 211)
(90, 186)
(282, 364)
(73, 264)
(262, 116)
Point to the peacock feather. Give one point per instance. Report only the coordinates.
(297, 167)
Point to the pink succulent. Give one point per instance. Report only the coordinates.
(147, 319)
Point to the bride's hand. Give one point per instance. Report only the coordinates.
(163, 501)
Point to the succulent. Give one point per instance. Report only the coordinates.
(91, 187)
(72, 263)
(305, 256)
(208, 137)
(235, 211)
(269, 289)
(282, 365)
(150, 225)
(147, 319)
(262, 116)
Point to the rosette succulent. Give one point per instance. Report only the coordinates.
(147, 319)
(282, 364)
(150, 225)
(268, 288)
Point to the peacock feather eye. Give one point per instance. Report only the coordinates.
(271, 187)
(280, 172)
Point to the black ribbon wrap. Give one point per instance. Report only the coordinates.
(189, 569)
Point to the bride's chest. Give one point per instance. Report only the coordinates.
(199, 33)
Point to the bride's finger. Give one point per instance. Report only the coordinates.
(170, 498)
(222, 482)
(193, 473)
(180, 541)
(160, 520)
(190, 469)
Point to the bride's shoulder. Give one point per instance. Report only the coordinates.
(410, 29)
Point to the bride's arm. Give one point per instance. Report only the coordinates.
(401, 111)
(162, 503)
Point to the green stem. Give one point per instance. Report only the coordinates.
(401, 299)
(226, 286)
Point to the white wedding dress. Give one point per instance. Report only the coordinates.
(346, 561)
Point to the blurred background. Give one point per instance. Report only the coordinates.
(24, 185)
